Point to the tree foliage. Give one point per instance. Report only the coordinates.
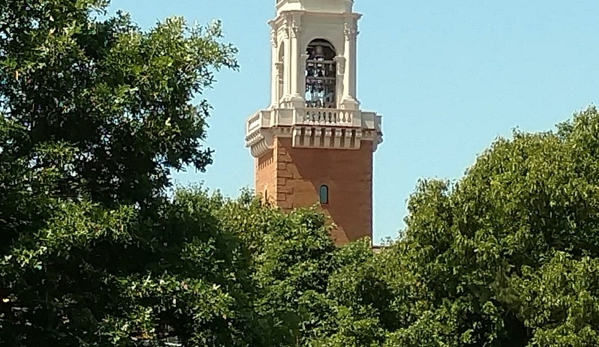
(506, 256)
(96, 113)
(118, 97)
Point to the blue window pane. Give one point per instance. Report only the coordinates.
(324, 194)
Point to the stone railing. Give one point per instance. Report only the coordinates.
(327, 116)
(316, 127)
(312, 116)
(258, 120)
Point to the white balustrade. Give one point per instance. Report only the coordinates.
(326, 117)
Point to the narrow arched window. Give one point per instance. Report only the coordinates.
(324, 194)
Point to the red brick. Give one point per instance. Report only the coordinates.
(283, 174)
(284, 190)
(297, 173)
(282, 197)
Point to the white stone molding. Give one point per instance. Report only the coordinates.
(328, 6)
(350, 31)
(295, 30)
(285, 31)
(345, 127)
(312, 128)
(280, 70)
(340, 61)
(273, 38)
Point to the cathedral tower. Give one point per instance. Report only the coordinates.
(314, 144)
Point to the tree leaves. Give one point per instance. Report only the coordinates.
(506, 256)
(96, 113)
(121, 97)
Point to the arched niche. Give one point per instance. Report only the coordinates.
(321, 74)
(280, 70)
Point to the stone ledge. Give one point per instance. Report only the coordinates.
(312, 128)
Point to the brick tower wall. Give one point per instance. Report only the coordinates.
(294, 175)
(265, 176)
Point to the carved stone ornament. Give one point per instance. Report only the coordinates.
(273, 38)
(286, 27)
(340, 61)
(294, 26)
(295, 30)
(350, 31)
(279, 66)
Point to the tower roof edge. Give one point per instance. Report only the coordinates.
(331, 6)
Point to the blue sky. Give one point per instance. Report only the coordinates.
(447, 76)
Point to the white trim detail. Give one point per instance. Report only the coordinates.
(312, 128)
(310, 123)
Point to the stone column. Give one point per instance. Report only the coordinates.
(349, 81)
(274, 75)
(296, 63)
(340, 80)
(280, 78)
(301, 82)
(287, 62)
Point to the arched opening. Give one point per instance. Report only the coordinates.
(321, 75)
(324, 194)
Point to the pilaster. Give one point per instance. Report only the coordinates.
(350, 33)
(274, 73)
(287, 61)
(294, 22)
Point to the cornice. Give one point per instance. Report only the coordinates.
(266, 125)
(348, 15)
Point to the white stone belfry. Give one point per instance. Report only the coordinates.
(313, 87)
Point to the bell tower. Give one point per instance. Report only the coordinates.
(314, 144)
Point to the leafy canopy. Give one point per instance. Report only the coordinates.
(506, 256)
(96, 113)
(120, 98)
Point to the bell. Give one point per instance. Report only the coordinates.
(319, 52)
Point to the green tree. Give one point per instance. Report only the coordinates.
(96, 277)
(95, 113)
(292, 274)
(507, 255)
(358, 300)
(119, 97)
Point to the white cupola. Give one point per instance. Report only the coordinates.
(313, 87)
